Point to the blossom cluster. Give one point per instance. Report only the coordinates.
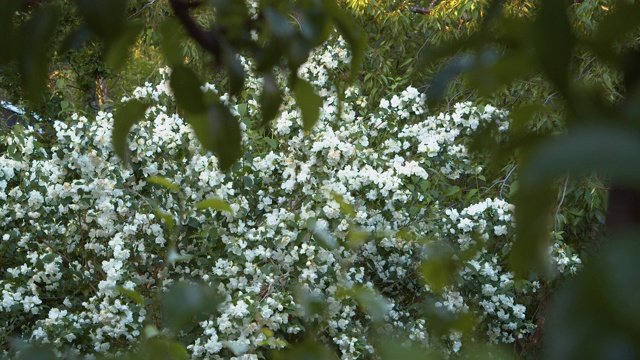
(352, 204)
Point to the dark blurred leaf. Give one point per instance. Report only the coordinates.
(552, 38)
(617, 24)
(606, 149)
(158, 348)
(278, 25)
(171, 41)
(8, 38)
(270, 98)
(597, 314)
(533, 226)
(232, 15)
(309, 103)
(186, 90)
(315, 25)
(124, 118)
(312, 304)
(106, 18)
(75, 39)
(429, 55)
(187, 303)
(298, 54)
(117, 51)
(392, 350)
(37, 353)
(438, 267)
(455, 67)
(352, 33)
(33, 60)
(234, 68)
(306, 350)
(218, 131)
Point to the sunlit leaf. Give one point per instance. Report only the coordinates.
(131, 294)
(215, 204)
(164, 182)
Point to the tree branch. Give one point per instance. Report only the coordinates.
(422, 10)
(207, 39)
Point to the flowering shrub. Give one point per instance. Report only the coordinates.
(352, 214)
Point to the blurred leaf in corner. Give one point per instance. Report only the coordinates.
(8, 39)
(597, 314)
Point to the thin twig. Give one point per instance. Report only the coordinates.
(564, 192)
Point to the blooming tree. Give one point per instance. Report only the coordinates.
(355, 216)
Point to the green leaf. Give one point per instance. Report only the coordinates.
(186, 90)
(533, 226)
(185, 304)
(8, 39)
(234, 68)
(106, 18)
(345, 207)
(597, 312)
(164, 182)
(617, 24)
(36, 35)
(438, 267)
(159, 348)
(170, 41)
(356, 237)
(270, 98)
(131, 294)
(315, 25)
(117, 51)
(444, 77)
(309, 103)
(218, 131)
(167, 217)
(75, 39)
(606, 149)
(125, 117)
(553, 42)
(353, 34)
(373, 303)
(216, 204)
(278, 25)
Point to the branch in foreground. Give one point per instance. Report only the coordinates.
(206, 39)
